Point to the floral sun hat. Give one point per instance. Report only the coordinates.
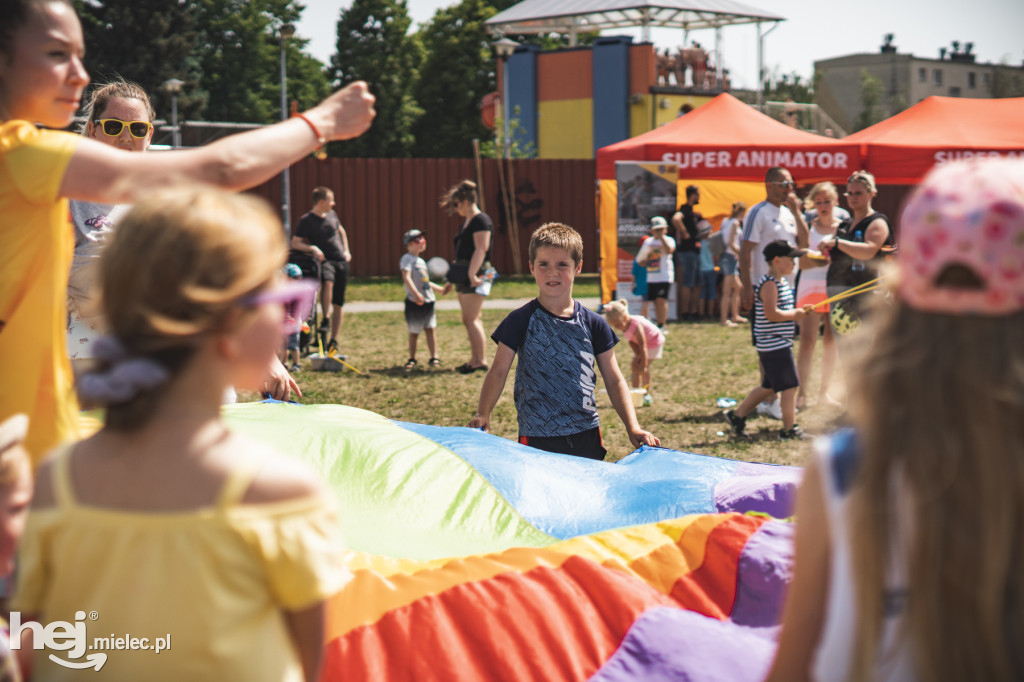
(969, 214)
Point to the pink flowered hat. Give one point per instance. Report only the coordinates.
(971, 214)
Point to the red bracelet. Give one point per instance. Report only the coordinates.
(319, 152)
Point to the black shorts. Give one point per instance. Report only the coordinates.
(335, 271)
(584, 444)
(657, 290)
(779, 370)
(419, 317)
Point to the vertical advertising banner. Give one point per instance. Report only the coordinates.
(644, 190)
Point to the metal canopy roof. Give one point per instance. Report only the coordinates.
(573, 16)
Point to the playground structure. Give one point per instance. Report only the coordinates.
(571, 102)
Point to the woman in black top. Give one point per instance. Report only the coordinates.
(855, 251)
(473, 249)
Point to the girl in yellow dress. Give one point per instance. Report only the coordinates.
(165, 525)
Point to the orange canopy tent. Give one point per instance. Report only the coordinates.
(724, 147)
(901, 149)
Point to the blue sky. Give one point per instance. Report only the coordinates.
(813, 30)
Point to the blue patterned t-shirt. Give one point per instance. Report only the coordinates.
(557, 371)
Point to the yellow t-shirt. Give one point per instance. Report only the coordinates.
(212, 583)
(37, 246)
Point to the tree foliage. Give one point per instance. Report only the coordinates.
(148, 42)
(226, 51)
(241, 57)
(871, 91)
(456, 74)
(374, 46)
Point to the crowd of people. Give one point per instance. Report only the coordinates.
(908, 551)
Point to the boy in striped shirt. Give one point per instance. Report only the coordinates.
(775, 320)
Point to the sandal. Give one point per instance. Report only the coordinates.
(469, 369)
(410, 365)
(435, 362)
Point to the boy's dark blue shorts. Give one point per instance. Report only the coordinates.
(779, 370)
(584, 444)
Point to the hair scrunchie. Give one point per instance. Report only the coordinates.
(124, 377)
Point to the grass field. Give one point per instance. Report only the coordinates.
(701, 363)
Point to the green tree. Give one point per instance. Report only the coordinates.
(458, 70)
(241, 60)
(1007, 81)
(374, 46)
(871, 91)
(226, 51)
(148, 42)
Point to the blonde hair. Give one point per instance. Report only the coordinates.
(559, 236)
(738, 208)
(866, 179)
(617, 310)
(821, 188)
(100, 96)
(939, 403)
(177, 266)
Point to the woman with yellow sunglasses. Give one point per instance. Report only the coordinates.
(119, 114)
(41, 82)
(111, 114)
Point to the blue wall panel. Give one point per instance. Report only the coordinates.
(611, 90)
(522, 86)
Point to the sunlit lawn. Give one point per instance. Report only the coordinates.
(701, 363)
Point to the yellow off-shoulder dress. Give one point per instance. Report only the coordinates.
(213, 583)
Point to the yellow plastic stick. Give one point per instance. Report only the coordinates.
(861, 289)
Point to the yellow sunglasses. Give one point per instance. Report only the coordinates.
(112, 127)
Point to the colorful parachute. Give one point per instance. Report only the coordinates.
(477, 558)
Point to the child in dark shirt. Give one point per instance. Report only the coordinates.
(560, 344)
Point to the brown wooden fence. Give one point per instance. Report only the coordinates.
(379, 199)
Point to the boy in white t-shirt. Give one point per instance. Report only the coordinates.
(419, 297)
(656, 255)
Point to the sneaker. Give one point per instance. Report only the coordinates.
(773, 410)
(296, 367)
(737, 423)
(794, 433)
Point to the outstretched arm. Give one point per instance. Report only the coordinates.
(101, 173)
(618, 392)
(494, 383)
(804, 612)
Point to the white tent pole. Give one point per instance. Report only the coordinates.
(719, 59)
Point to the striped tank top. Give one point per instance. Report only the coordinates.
(770, 335)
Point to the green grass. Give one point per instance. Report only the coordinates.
(701, 363)
(506, 286)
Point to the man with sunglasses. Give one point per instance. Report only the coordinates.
(777, 217)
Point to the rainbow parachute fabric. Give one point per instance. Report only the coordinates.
(476, 558)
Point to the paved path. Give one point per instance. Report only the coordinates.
(450, 304)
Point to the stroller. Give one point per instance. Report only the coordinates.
(307, 337)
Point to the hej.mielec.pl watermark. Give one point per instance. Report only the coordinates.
(71, 637)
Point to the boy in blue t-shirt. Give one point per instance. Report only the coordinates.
(560, 344)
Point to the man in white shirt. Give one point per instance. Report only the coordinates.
(777, 217)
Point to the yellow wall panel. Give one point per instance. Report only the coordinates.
(565, 129)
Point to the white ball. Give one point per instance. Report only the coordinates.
(437, 267)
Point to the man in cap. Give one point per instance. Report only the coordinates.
(656, 255)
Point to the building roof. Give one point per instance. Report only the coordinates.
(570, 16)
